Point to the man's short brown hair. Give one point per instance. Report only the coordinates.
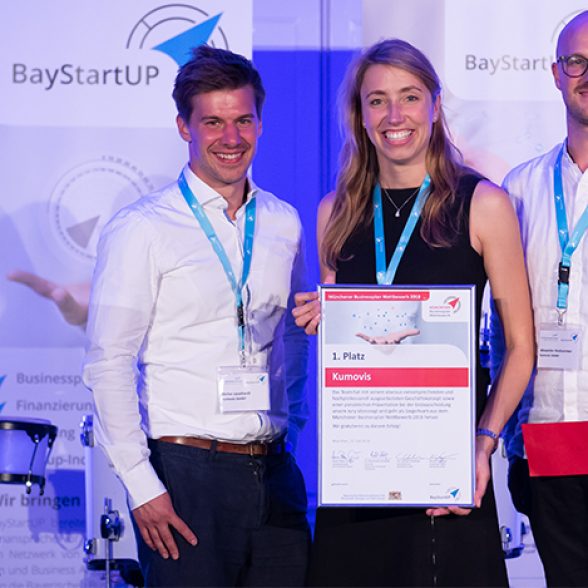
(212, 69)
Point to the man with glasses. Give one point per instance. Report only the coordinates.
(550, 194)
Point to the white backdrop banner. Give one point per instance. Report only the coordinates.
(87, 125)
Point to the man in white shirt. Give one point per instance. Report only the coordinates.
(197, 370)
(550, 194)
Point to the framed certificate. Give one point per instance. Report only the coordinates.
(396, 401)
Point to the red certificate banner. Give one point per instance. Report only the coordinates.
(397, 377)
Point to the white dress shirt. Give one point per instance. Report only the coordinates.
(163, 318)
(555, 395)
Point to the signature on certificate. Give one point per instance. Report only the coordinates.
(377, 459)
(344, 459)
(376, 454)
(408, 460)
(440, 460)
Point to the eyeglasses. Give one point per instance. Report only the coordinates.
(574, 66)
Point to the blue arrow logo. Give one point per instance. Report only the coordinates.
(454, 493)
(179, 48)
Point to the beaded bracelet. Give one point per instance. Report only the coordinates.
(488, 433)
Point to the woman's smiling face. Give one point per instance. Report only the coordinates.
(398, 115)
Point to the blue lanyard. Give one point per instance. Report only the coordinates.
(567, 242)
(209, 231)
(385, 276)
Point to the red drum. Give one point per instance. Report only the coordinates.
(110, 538)
(25, 445)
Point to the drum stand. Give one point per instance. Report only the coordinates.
(110, 530)
(107, 520)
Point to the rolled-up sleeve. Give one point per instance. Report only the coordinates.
(124, 291)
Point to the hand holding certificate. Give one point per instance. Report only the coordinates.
(396, 414)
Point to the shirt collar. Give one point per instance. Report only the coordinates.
(207, 196)
(568, 164)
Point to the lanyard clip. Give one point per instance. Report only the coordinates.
(560, 316)
(241, 327)
(563, 274)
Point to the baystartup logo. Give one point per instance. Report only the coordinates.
(149, 29)
(492, 64)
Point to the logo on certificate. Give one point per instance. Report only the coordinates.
(454, 493)
(454, 303)
(446, 307)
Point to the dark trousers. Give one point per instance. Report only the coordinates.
(404, 547)
(519, 485)
(249, 514)
(560, 527)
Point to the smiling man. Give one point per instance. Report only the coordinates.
(550, 194)
(197, 371)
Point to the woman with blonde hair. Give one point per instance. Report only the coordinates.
(407, 211)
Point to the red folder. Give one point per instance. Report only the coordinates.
(557, 449)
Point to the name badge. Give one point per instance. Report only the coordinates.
(243, 389)
(560, 348)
